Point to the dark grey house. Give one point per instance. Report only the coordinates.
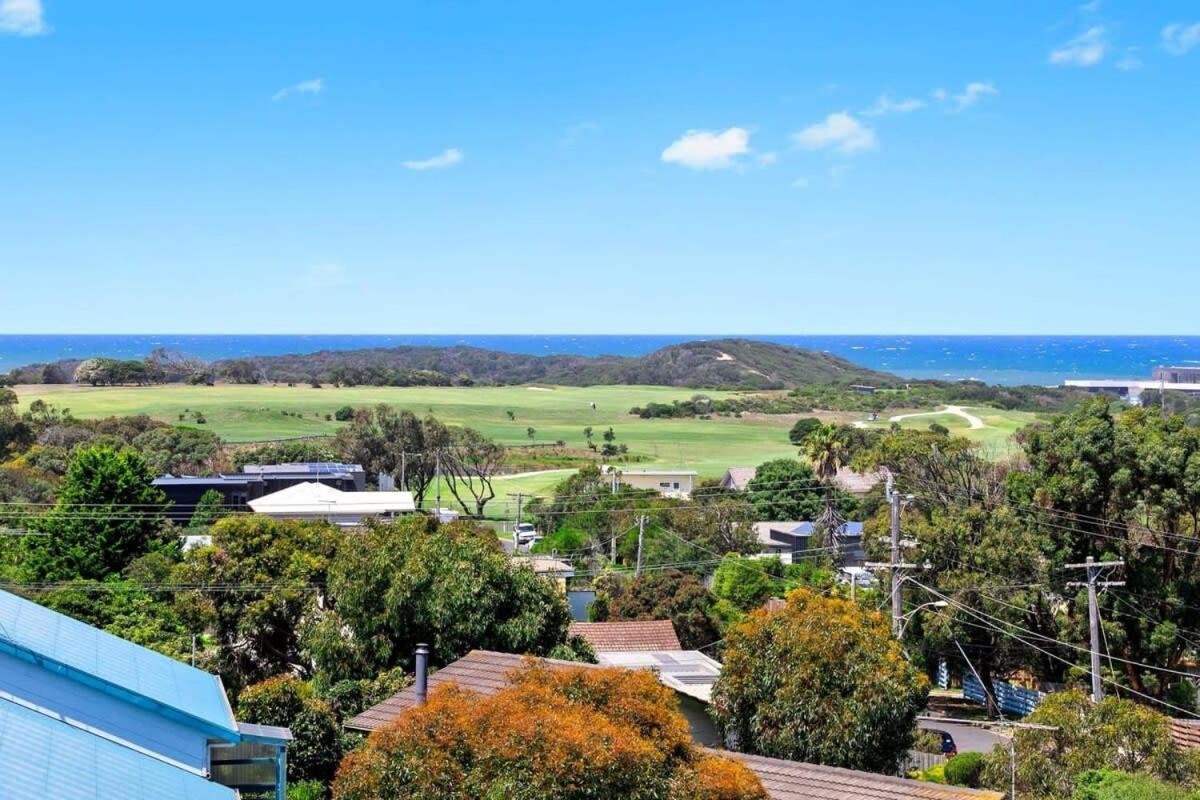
(254, 481)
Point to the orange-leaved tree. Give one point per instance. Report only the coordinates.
(822, 681)
(553, 734)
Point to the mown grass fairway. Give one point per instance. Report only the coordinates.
(255, 413)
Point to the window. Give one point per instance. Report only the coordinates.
(666, 485)
(676, 485)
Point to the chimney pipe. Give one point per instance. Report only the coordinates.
(422, 670)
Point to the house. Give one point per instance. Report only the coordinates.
(548, 566)
(322, 501)
(185, 491)
(846, 479)
(627, 637)
(253, 482)
(690, 674)
(787, 539)
(347, 477)
(795, 780)
(87, 715)
(738, 478)
(667, 482)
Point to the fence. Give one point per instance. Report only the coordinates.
(1011, 699)
(916, 761)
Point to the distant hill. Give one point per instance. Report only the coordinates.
(738, 363)
(719, 363)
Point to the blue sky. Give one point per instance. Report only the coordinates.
(784, 167)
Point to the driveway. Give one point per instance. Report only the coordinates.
(969, 738)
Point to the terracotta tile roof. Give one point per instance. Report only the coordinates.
(793, 780)
(627, 636)
(1186, 733)
(481, 671)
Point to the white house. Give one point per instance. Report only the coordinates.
(322, 501)
(667, 482)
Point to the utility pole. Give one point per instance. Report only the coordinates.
(897, 608)
(896, 566)
(641, 534)
(1093, 568)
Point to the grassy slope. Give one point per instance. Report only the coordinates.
(249, 413)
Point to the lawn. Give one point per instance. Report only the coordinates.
(255, 413)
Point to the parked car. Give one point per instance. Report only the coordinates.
(526, 533)
(949, 748)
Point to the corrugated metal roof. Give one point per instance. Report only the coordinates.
(112, 664)
(41, 757)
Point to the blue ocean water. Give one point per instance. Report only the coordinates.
(1045, 360)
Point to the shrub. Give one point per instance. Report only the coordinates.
(314, 753)
(964, 769)
(570, 733)
(306, 790)
(344, 414)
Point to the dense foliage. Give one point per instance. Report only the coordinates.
(822, 681)
(107, 515)
(1114, 734)
(452, 587)
(275, 571)
(669, 594)
(553, 735)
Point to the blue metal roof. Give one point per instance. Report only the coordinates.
(110, 664)
(42, 757)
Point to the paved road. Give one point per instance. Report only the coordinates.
(967, 737)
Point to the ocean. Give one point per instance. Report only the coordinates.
(1043, 360)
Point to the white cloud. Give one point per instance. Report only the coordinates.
(1090, 7)
(940, 95)
(1085, 50)
(972, 92)
(837, 173)
(801, 183)
(1130, 60)
(767, 159)
(447, 158)
(1178, 38)
(840, 132)
(708, 149)
(886, 105)
(22, 17)
(325, 276)
(312, 86)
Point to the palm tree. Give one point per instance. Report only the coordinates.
(826, 449)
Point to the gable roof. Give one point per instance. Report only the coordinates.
(113, 665)
(41, 756)
(794, 780)
(627, 636)
(481, 671)
(311, 497)
(738, 477)
(856, 482)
